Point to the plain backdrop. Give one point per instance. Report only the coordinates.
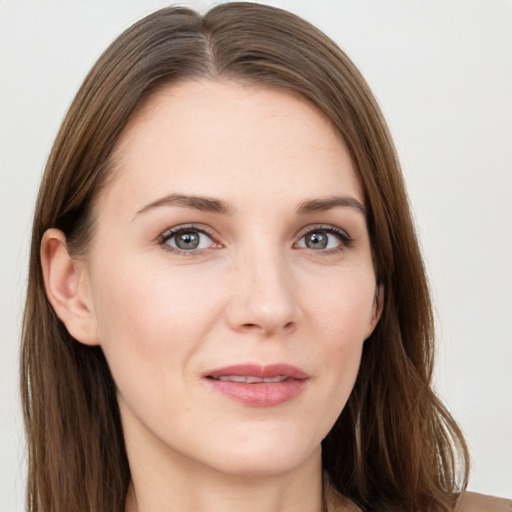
(442, 72)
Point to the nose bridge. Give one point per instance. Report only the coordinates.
(263, 296)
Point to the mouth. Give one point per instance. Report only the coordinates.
(258, 385)
(250, 379)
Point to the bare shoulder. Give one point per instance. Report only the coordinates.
(474, 502)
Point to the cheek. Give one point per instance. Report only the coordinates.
(147, 313)
(341, 313)
(151, 325)
(343, 304)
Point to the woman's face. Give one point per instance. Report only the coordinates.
(230, 278)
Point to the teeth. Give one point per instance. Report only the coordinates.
(233, 378)
(279, 378)
(249, 379)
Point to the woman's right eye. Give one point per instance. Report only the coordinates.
(187, 240)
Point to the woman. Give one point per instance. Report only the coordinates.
(227, 307)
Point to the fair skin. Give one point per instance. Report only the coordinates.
(232, 235)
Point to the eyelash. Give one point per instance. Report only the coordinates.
(173, 232)
(345, 241)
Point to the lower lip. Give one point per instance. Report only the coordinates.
(260, 394)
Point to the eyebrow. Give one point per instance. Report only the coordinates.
(204, 204)
(322, 205)
(212, 205)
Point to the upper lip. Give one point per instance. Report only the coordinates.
(257, 370)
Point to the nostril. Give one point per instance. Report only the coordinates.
(251, 326)
(269, 330)
(267, 312)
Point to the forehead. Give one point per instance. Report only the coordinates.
(223, 138)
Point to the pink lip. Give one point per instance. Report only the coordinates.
(260, 394)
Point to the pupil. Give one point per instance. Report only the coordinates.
(316, 241)
(187, 240)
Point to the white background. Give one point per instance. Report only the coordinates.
(442, 72)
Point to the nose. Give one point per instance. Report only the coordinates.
(263, 298)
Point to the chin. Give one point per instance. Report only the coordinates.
(268, 456)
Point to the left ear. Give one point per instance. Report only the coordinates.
(378, 304)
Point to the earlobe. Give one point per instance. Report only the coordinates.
(378, 305)
(66, 285)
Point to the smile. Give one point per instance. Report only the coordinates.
(251, 379)
(258, 386)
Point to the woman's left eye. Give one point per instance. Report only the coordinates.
(187, 239)
(324, 239)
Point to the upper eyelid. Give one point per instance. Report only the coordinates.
(208, 231)
(344, 239)
(322, 227)
(170, 233)
(173, 231)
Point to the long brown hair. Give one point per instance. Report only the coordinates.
(394, 446)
